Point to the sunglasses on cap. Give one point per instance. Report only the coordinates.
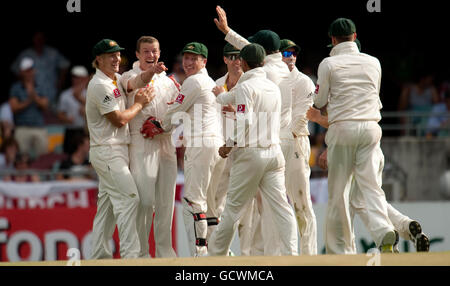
(287, 54)
(234, 57)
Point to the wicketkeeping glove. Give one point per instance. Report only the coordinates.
(151, 128)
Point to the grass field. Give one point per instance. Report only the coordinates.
(403, 259)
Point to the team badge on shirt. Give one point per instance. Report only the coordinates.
(116, 93)
(241, 108)
(317, 89)
(180, 98)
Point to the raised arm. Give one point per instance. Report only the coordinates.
(230, 36)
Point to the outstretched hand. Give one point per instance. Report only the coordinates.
(221, 23)
(158, 68)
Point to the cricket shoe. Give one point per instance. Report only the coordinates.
(387, 244)
(420, 240)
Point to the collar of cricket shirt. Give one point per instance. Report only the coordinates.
(348, 47)
(256, 72)
(273, 57)
(103, 77)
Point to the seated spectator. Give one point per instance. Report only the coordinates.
(71, 105)
(8, 152)
(419, 96)
(21, 165)
(77, 162)
(28, 102)
(439, 121)
(50, 65)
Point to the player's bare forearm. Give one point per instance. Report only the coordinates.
(314, 115)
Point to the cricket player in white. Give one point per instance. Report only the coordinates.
(297, 151)
(258, 160)
(153, 162)
(196, 106)
(107, 121)
(349, 83)
(250, 239)
(278, 73)
(407, 228)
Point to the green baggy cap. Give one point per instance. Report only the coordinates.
(341, 27)
(266, 38)
(106, 46)
(229, 49)
(286, 44)
(195, 48)
(253, 53)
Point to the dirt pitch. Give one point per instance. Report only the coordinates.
(403, 259)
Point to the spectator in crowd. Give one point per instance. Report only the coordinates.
(77, 162)
(8, 152)
(177, 70)
(439, 121)
(28, 101)
(124, 64)
(71, 110)
(21, 166)
(419, 97)
(6, 122)
(50, 65)
(308, 70)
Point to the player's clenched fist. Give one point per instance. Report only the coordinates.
(218, 90)
(145, 95)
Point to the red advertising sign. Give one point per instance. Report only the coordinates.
(44, 228)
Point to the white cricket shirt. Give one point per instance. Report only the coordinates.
(349, 81)
(165, 89)
(258, 106)
(197, 104)
(302, 98)
(104, 96)
(276, 71)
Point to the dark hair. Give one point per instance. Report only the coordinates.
(341, 39)
(253, 65)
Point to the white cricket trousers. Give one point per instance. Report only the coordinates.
(153, 164)
(296, 152)
(253, 168)
(200, 165)
(357, 206)
(354, 147)
(248, 232)
(118, 200)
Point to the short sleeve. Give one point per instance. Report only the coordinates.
(104, 99)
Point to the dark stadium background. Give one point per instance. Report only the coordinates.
(407, 37)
